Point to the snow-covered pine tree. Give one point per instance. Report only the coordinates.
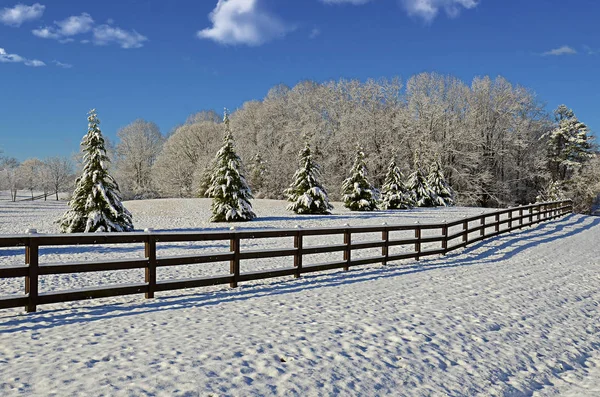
(569, 144)
(423, 195)
(395, 193)
(550, 192)
(96, 203)
(444, 195)
(357, 192)
(228, 189)
(258, 169)
(306, 194)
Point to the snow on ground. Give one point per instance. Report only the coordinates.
(515, 315)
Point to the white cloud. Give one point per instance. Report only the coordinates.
(105, 34)
(21, 13)
(243, 22)
(429, 9)
(62, 65)
(14, 58)
(84, 23)
(564, 50)
(314, 33)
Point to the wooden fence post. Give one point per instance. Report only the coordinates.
(348, 250)
(31, 280)
(418, 242)
(465, 237)
(298, 256)
(510, 217)
(150, 252)
(482, 222)
(497, 223)
(530, 214)
(385, 236)
(234, 264)
(445, 234)
(520, 216)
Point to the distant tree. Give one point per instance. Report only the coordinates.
(229, 190)
(569, 144)
(444, 195)
(357, 192)
(29, 172)
(11, 177)
(96, 203)
(203, 115)
(395, 194)
(257, 173)
(551, 192)
(60, 172)
(306, 194)
(139, 145)
(423, 195)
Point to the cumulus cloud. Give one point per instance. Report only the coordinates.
(62, 30)
(429, 9)
(564, 50)
(21, 13)
(62, 65)
(106, 34)
(5, 57)
(243, 22)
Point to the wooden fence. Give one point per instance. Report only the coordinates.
(487, 225)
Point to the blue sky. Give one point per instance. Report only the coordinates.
(163, 60)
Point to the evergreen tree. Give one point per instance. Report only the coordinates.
(569, 144)
(444, 195)
(423, 195)
(228, 188)
(357, 192)
(396, 194)
(96, 204)
(258, 169)
(550, 192)
(306, 194)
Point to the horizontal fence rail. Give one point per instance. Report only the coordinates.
(487, 225)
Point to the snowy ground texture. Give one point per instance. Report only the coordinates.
(515, 315)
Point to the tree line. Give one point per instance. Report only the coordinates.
(494, 141)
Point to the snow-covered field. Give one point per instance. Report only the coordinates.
(515, 315)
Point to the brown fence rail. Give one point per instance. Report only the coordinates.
(489, 225)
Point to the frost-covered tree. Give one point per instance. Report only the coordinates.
(258, 171)
(357, 192)
(551, 192)
(444, 195)
(228, 189)
(395, 193)
(423, 195)
(96, 203)
(569, 144)
(60, 171)
(306, 194)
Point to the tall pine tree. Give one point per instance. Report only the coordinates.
(228, 189)
(306, 194)
(395, 193)
(423, 195)
(357, 192)
(96, 203)
(444, 195)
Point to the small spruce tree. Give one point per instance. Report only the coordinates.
(258, 169)
(395, 193)
(228, 189)
(444, 195)
(306, 194)
(423, 195)
(96, 203)
(357, 192)
(550, 192)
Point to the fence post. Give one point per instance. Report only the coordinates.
(418, 242)
(31, 280)
(530, 214)
(150, 252)
(510, 217)
(348, 250)
(520, 216)
(385, 236)
(482, 222)
(465, 237)
(497, 225)
(234, 264)
(445, 234)
(298, 256)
